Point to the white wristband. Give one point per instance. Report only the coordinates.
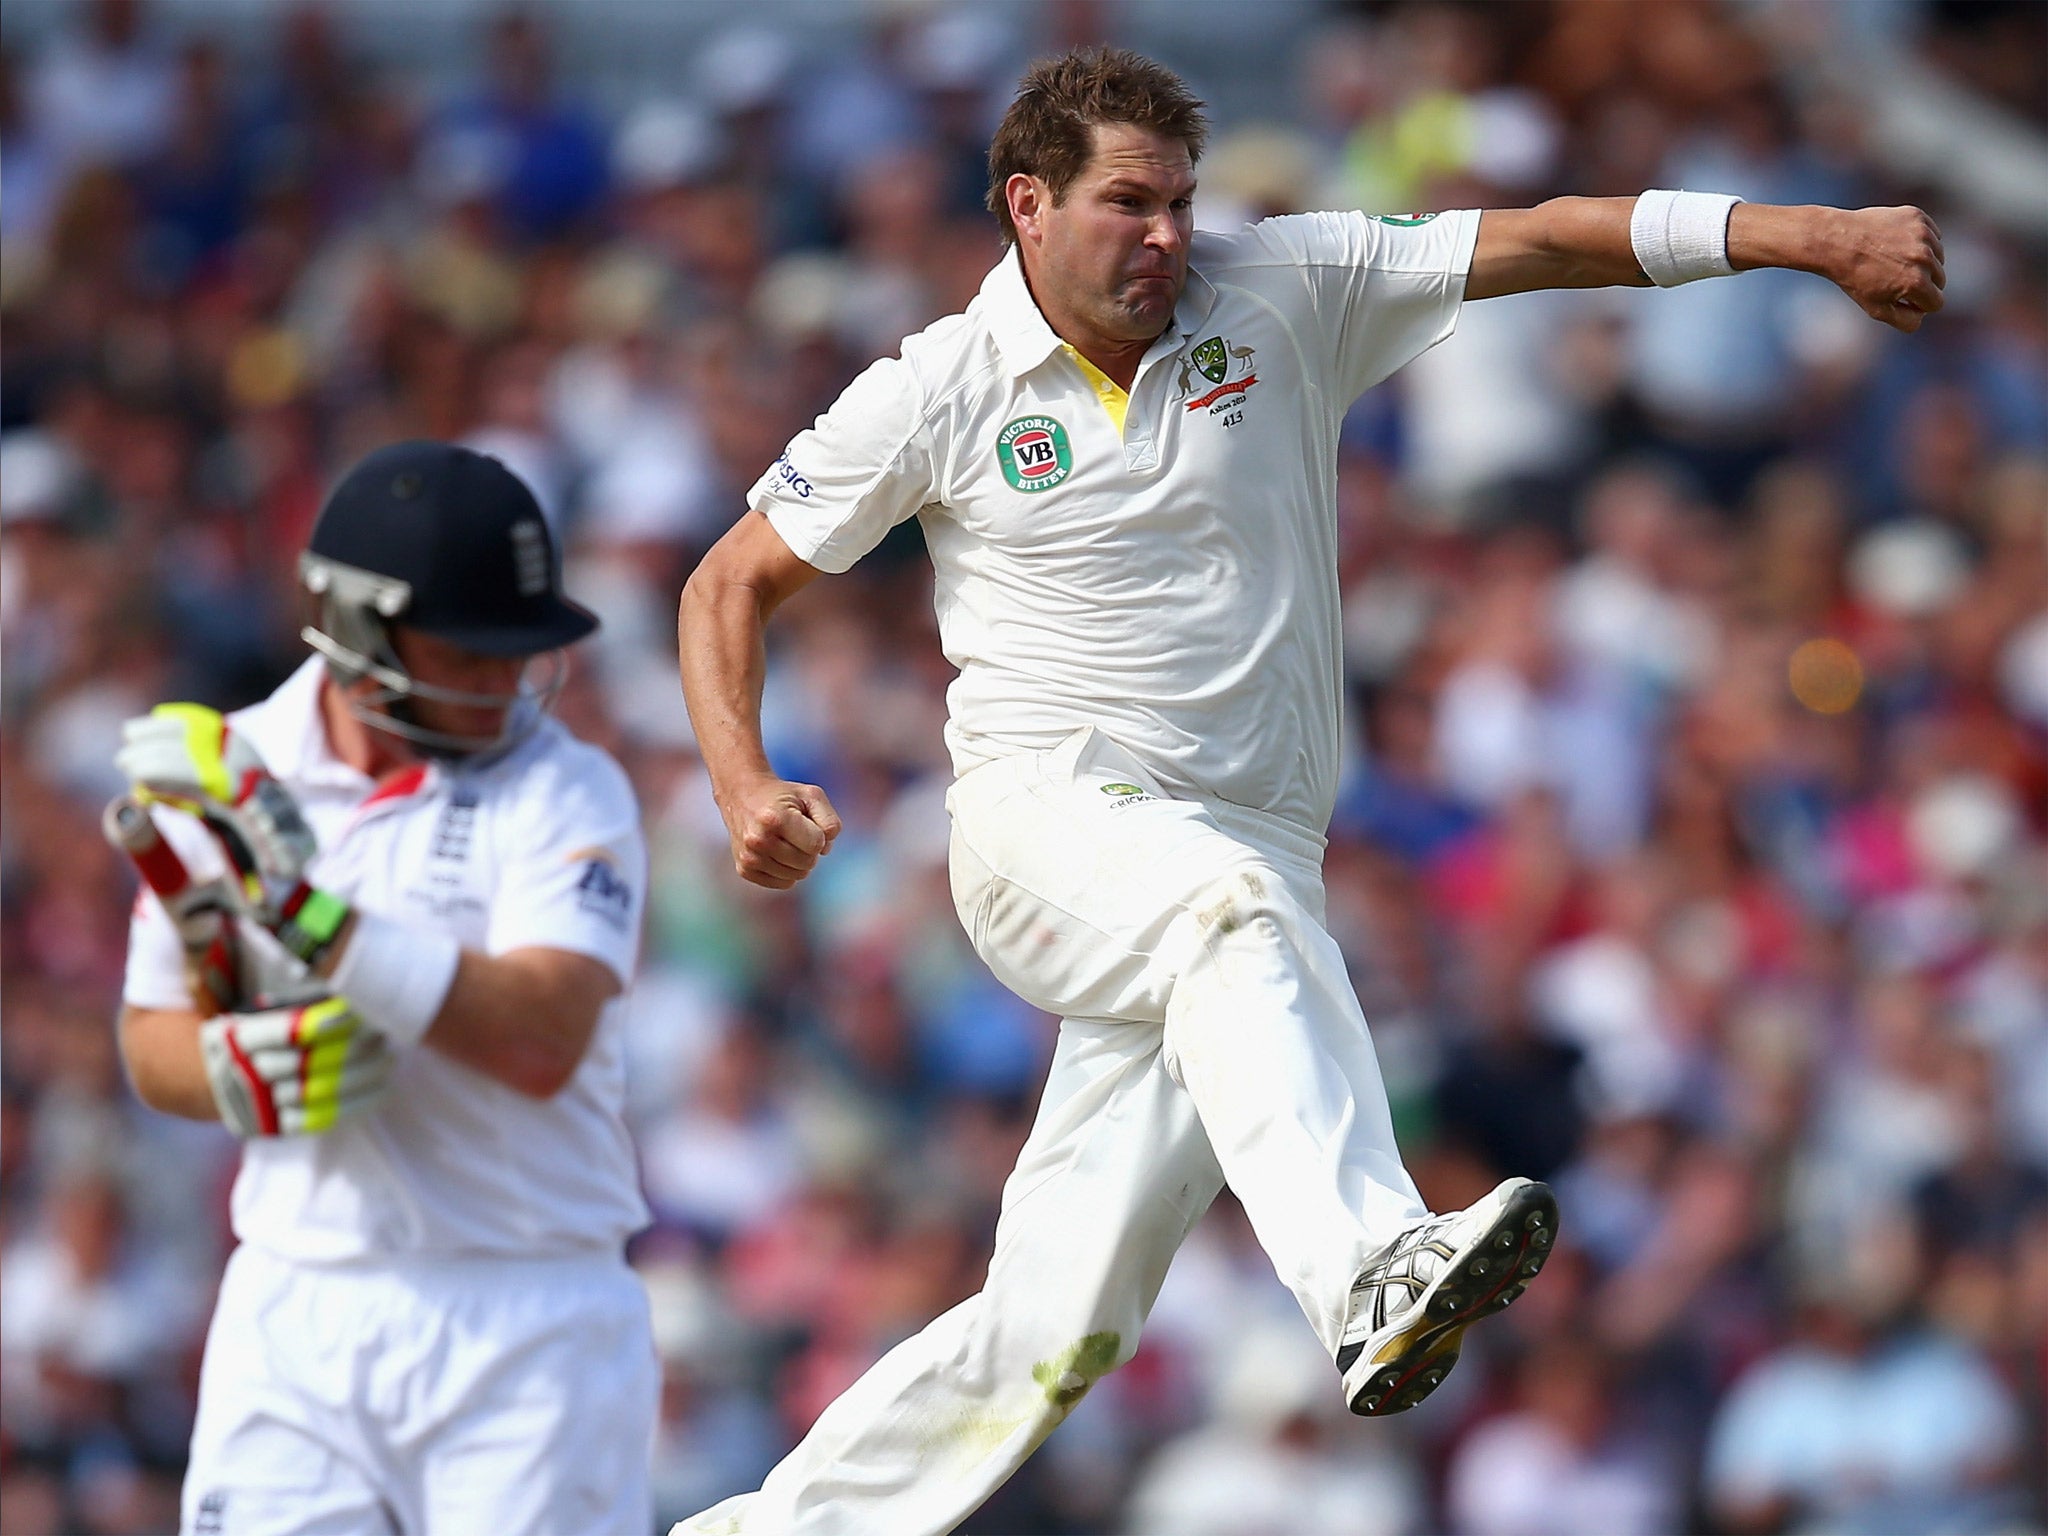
(1680, 237)
(396, 976)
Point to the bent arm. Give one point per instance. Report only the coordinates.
(1889, 260)
(778, 829)
(1568, 242)
(720, 636)
(523, 1018)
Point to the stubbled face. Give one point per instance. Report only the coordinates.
(1112, 259)
(442, 665)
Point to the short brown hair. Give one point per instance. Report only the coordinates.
(1049, 130)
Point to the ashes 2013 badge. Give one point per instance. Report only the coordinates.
(1034, 453)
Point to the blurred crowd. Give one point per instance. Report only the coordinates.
(1693, 851)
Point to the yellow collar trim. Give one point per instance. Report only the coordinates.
(1113, 396)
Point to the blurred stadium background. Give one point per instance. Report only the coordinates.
(1691, 853)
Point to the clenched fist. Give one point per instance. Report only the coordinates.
(779, 830)
(1889, 261)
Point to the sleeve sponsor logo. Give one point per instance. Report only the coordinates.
(601, 890)
(1402, 220)
(791, 478)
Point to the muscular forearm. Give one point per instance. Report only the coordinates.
(779, 830)
(720, 638)
(523, 1019)
(160, 1047)
(1889, 260)
(1804, 239)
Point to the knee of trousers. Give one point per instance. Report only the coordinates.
(1248, 915)
(1246, 912)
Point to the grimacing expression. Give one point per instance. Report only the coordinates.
(1116, 249)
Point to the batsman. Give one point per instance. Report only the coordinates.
(1123, 458)
(388, 913)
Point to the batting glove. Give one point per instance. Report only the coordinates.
(295, 1070)
(230, 961)
(186, 756)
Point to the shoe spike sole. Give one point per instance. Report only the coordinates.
(1506, 1260)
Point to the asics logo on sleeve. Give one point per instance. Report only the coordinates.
(792, 477)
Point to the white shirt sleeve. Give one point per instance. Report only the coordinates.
(575, 877)
(156, 959)
(864, 468)
(1385, 289)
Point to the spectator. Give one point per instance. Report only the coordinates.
(104, 93)
(542, 155)
(1277, 1459)
(1566, 1460)
(1867, 1422)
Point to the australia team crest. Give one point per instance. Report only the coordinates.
(1226, 366)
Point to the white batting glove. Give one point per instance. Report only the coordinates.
(187, 756)
(230, 960)
(295, 1070)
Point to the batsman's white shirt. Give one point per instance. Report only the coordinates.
(542, 847)
(1173, 583)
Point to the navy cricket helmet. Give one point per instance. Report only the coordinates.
(450, 542)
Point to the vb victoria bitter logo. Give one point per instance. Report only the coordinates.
(1034, 453)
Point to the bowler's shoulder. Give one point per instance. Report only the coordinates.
(895, 398)
(1286, 240)
(951, 352)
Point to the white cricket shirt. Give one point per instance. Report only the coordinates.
(540, 848)
(1171, 580)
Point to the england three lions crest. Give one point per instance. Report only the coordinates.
(1227, 369)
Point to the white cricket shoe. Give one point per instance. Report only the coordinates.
(1411, 1305)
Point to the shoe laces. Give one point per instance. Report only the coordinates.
(1393, 1282)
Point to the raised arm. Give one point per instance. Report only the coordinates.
(1889, 260)
(779, 830)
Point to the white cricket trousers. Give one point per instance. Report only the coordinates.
(1209, 1033)
(458, 1396)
